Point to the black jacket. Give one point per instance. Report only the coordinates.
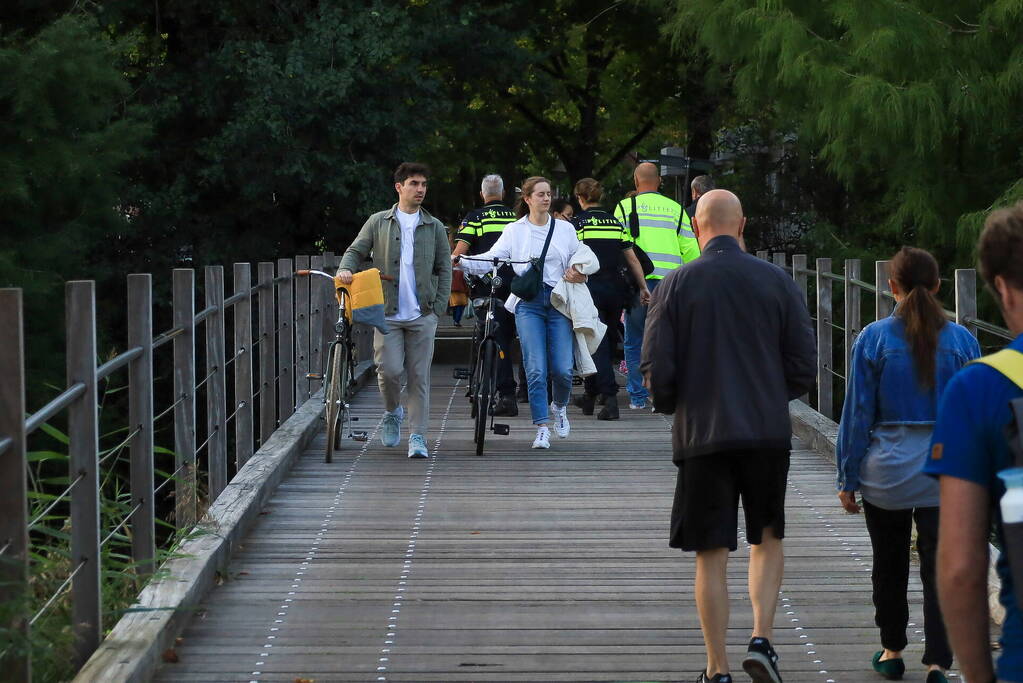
(728, 343)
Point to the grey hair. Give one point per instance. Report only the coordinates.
(492, 186)
(703, 184)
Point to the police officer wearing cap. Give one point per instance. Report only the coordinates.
(479, 231)
(612, 288)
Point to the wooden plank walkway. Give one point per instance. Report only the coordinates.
(520, 565)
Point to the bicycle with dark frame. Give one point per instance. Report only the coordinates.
(339, 377)
(482, 373)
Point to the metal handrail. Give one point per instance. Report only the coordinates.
(5, 443)
(162, 339)
(205, 313)
(118, 362)
(990, 329)
(58, 403)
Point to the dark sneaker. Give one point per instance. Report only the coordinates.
(716, 678)
(506, 407)
(585, 403)
(892, 669)
(936, 676)
(610, 409)
(761, 662)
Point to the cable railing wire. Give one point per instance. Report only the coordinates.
(230, 417)
(171, 407)
(53, 598)
(169, 479)
(121, 525)
(5, 548)
(215, 370)
(59, 499)
(208, 438)
(116, 449)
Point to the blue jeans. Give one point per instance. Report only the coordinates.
(635, 321)
(547, 344)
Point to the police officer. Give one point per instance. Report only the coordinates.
(662, 230)
(609, 287)
(478, 233)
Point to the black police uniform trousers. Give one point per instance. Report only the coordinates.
(504, 335)
(609, 295)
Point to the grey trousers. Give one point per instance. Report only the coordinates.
(407, 350)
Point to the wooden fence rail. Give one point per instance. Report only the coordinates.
(822, 311)
(294, 320)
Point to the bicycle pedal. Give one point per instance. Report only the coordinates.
(461, 373)
(503, 430)
(360, 436)
(354, 419)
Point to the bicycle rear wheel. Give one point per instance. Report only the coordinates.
(336, 398)
(484, 393)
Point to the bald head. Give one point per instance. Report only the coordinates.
(647, 177)
(719, 212)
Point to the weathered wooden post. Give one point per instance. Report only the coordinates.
(825, 381)
(966, 298)
(883, 305)
(329, 307)
(316, 304)
(140, 417)
(853, 320)
(216, 385)
(799, 274)
(13, 475)
(302, 332)
(83, 447)
(779, 259)
(267, 344)
(764, 255)
(184, 397)
(286, 338)
(242, 318)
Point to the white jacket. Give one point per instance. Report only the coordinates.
(573, 300)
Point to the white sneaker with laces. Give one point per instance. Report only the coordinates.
(543, 437)
(560, 414)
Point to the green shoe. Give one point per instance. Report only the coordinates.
(892, 669)
(936, 676)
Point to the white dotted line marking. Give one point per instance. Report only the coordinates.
(311, 553)
(392, 621)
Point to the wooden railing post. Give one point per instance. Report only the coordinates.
(242, 323)
(316, 305)
(140, 417)
(13, 476)
(184, 397)
(764, 255)
(825, 365)
(267, 344)
(883, 306)
(966, 298)
(330, 308)
(853, 320)
(216, 385)
(779, 259)
(302, 332)
(83, 435)
(286, 339)
(799, 274)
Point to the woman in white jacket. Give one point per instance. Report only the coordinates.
(545, 334)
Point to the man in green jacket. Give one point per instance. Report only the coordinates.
(411, 246)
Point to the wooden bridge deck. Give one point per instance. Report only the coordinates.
(520, 565)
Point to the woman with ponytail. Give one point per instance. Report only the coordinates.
(900, 365)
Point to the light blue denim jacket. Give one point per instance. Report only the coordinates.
(885, 405)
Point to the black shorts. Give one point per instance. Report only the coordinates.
(705, 513)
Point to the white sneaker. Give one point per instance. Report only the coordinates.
(560, 414)
(543, 437)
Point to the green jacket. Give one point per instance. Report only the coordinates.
(380, 239)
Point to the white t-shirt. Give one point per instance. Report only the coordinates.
(521, 241)
(408, 302)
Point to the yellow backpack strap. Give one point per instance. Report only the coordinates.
(1009, 362)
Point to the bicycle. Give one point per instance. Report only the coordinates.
(482, 373)
(339, 377)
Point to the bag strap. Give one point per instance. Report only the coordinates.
(1009, 362)
(547, 243)
(634, 220)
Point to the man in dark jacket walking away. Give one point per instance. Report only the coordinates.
(728, 343)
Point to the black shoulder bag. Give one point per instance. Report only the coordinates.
(527, 285)
(644, 261)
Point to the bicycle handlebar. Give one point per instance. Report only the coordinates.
(303, 273)
(495, 260)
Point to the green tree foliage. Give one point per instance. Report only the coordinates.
(911, 104)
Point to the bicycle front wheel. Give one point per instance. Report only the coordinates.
(484, 393)
(335, 397)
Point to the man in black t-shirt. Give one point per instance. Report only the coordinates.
(611, 288)
(479, 231)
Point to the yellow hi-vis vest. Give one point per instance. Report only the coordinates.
(665, 232)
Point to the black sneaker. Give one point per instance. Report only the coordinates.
(761, 661)
(585, 403)
(716, 678)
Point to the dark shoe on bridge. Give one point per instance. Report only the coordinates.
(506, 407)
(716, 678)
(522, 395)
(892, 669)
(585, 403)
(610, 409)
(761, 662)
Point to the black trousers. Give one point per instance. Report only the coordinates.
(504, 335)
(608, 296)
(890, 533)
